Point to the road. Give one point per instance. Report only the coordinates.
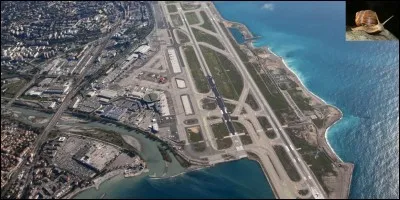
(208, 74)
(22, 90)
(41, 137)
(296, 109)
(227, 120)
(314, 186)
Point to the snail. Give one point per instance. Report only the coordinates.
(367, 20)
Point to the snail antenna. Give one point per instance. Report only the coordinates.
(387, 20)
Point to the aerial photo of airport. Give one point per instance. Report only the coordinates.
(195, 99)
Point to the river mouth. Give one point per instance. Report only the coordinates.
(165, 177)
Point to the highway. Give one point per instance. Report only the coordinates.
(303, 169)
(22, 90)
(42, 137)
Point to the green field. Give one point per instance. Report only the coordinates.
(264, 122)
(107, 136)
(192, 18)
(220, 131)
(35, 98)
(213, 117)
(224, 143)
(242, 55)
(286, 115)
(287, 163)
(191, 121)
(252, 102)
(208, 104)
(228, 80)
(183, 38)
(230, 107)
(267, 87)
(198, 147)
(207, 38)
(189, 6)
(303, 192)
(318, 122)
(301, 102)
(207, 23)
(270, 134)
(12, 88)
(320, 163)
(172, 8)
(176, 20)
(265, 125)
(246, 139)
(239, 128)
(194, 134)
(195, 69)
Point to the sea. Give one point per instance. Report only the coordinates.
(360, 78)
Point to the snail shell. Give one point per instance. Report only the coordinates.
(368, 21)
(366, 18)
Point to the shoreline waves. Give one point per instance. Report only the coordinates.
(344, 167)
(297, 79)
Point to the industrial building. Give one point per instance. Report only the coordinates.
(155, 127)
(96, 156)
(52, 105)
(151, 98)
(57, 89)
(108, 94)
(34, 91)
(157, 107)
(133, 56)
(90, 93)
(45, 82)
(142, 49)
(76, 102)
(131, 105)
(113, 112)
(136, 95)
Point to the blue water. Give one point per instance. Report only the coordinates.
(360, 78)
(238, 179)
(237, 34)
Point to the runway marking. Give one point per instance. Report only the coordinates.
(239, 148)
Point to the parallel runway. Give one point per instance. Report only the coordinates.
(316, 189)
(221, 105)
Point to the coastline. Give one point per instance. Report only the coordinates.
(97, 182)
(315, 98)
(297, 79)
(322, 133)
(257, 159)
(100, 180)
(190, 169)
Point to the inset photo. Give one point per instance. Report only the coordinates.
(372, 20)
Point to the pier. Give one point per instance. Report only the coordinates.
(252, 38)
